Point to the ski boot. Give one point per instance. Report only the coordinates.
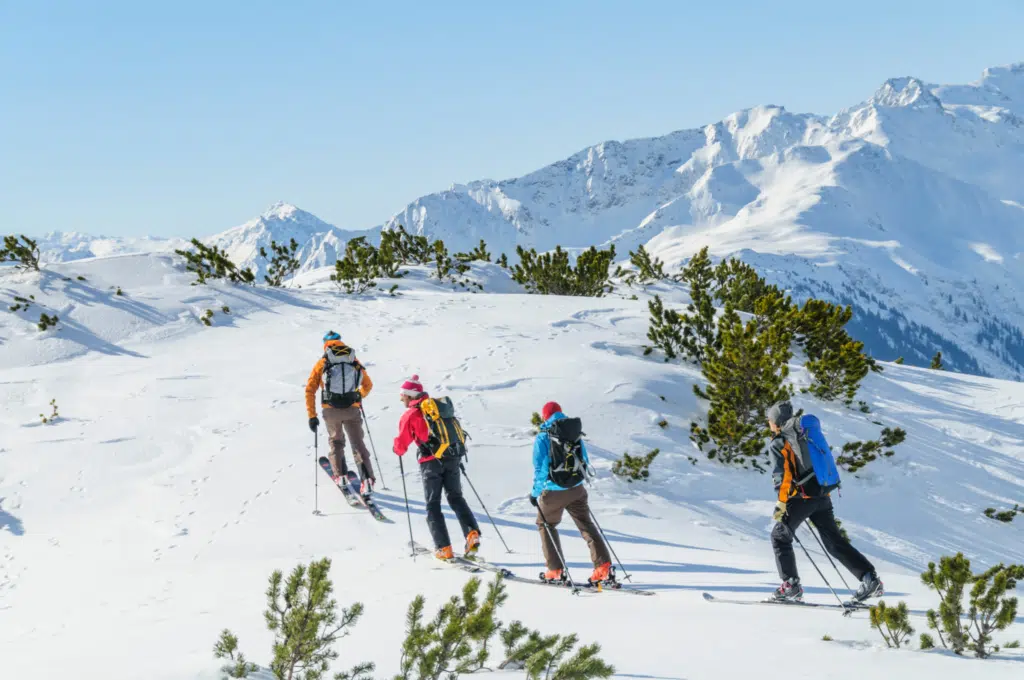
(472, 544)
(870, 586)
(445, 554)
(604, 575)
(552, 576)
(366, 488)
(789, 591)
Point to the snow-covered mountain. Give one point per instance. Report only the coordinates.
(319, 242)
(908, 206)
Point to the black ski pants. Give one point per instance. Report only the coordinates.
(444, 475)
(819, 512)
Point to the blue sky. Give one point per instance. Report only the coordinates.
(185, 118)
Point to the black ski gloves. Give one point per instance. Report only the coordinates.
(533, 501)
(314, 423)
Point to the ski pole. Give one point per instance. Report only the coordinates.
(625, 574)
(810, 527)
(408, 513)
(373, 448)
(463, 468)
(316, 476)
(558, 551)
(841, 603)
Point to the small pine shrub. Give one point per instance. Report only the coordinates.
(1012, 645)
(119, 292)
(80, 278)
(54, 414)
(663, 423)
(892, 623)
(899, 362)
(665, 330)
(478, 254)
(503, 261)
(21, 250)
(207, 317)
(739, 284)
(225, 309)
(541, 656)
(303, 616)
(990, 605)
(551, 274)
(457, 639)
(1004, 515)
(826, 638)
(536, 421)
(634, 468)
(356, 271)
(937, 362)
(700, 337)
(646, 269)
(46, 321)
(283, 263)
(927, 642)
(227, 650)
(22, 304)
(210, 262)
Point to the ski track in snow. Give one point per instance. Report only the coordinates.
(181, 473)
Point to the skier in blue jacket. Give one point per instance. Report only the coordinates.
(560, 465)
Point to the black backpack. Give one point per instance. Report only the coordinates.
(447, 438)
(566, 466)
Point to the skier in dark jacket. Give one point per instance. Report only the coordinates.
(439, 474)
(800, 498)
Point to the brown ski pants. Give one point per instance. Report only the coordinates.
(551, 505)
(341, 422)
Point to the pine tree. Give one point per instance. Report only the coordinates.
(355, 273)
(892, 623)
(541, 656)
(210, 262)
(646, 269)
(839, 372)
(700, 336)
(457, 639)
(227, 649)
(990, 609)
(745, 376)
(283, 263)
(478, 254)
(551, 274)
(304, 619)
(740, 285)
(937, 362)
(21, 249)
(665, 330)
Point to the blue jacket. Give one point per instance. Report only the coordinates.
(542, 456)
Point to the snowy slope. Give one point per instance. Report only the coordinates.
(148, 518)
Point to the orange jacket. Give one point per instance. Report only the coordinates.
(316, 379)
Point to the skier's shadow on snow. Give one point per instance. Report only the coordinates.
(654, 567)
(417, 507)
(10, 522)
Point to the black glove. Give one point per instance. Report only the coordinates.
(314, 423)
(533, 501)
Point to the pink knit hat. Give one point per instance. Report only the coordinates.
(412, 387)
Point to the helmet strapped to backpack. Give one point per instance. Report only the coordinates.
(566, 466)
(446, 433)
(342, 376)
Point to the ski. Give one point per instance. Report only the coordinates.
(455, 563)
(353, 483)
(349, 487)
(584, 587)
(846, 607)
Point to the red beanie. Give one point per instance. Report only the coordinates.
(550, 409)
(412, 387)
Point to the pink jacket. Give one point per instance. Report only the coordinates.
(412, 429)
